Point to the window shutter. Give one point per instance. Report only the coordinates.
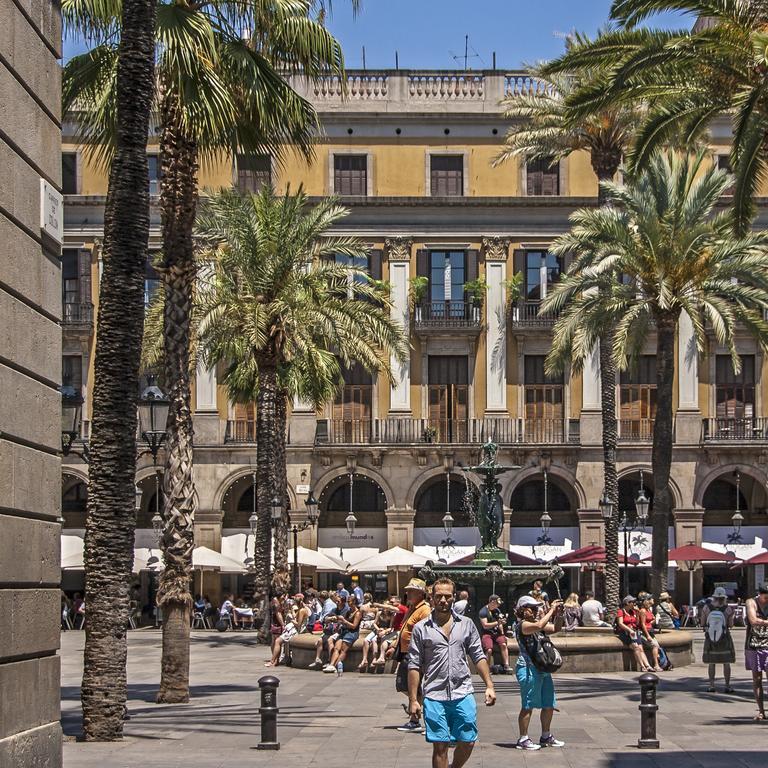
(422, 263)
(84, 275)
(551, 181)
(374, 264)
(518, 261)
(471, 262)
(533, 181)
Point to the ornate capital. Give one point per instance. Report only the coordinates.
(398, 248)
(496, 248)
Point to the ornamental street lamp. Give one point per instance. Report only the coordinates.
(153, 418)
(350, 521)
(71, 423)
(606, 507)
(737, 519)
(313, 515)
(276, 509)
(546, 523)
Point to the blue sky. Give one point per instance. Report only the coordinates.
(429, 33)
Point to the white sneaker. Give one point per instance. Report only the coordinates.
(411, 727)
(551, 741)
(527, 744)
(329, 668)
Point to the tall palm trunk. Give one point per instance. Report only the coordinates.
(605, 165)
(267, 477)
(661, 458)
(282, 574)
(178, 201)
(111, 521)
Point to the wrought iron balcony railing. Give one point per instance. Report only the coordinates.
(447, 315)
(635, 430)
(735, 429)
(525, 314)
(77, 313)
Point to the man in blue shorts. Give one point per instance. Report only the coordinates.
(437, 659)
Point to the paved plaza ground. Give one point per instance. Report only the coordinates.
(351, 721)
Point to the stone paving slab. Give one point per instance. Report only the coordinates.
(328, 721)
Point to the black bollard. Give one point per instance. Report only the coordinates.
(648, 708)
(268, 712)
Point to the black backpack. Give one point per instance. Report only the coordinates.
(543, 655)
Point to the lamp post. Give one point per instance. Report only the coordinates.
(737, 519)
(312, 517)
(71, 423)
(642, 504)
(153, 419)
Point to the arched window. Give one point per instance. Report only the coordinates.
(527, 503)
(368, 502)
(150, 502)
(719, 501)
(629, 488)
(437, 494)
(74, 502)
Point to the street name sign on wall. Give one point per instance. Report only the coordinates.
(51, 211)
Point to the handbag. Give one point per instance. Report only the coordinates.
(542, 653)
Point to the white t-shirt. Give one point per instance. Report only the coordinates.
(592, 613)
(460, 606)
(226, 608)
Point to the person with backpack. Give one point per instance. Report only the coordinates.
(716, 621)
(537, 659)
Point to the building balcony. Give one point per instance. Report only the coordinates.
(240, 431)
(77, 316)
(635, 430)
(431, 317)
(409, 431)
(525, 314)
(729, 430)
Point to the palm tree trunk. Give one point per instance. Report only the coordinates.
(281, 578)
(661, 458)
(267, 479)
(178, 201)
(111, 521)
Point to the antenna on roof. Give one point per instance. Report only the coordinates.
(466, 56)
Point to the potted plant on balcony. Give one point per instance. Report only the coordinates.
(514, 288)
(429, 434)
(419, 287)
(475, 291)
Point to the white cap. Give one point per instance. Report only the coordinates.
(526, 601)
(720, 592)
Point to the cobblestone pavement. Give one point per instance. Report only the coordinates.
(352, 720)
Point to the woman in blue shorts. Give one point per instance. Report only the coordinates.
(537, 691)
(349, 631)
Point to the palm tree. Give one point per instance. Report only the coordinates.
(110, 521)
(688, 77)
(285, 319)
(216, 93)
(674, 256)
(547, 128)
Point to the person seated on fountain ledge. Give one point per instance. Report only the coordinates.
(537, 592)
(493, 632)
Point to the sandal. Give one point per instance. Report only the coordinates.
(760, 715)
(362, 666)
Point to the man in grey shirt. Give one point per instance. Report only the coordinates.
(437, 658)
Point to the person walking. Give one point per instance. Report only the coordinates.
(716, 621)
(756, 648)
(537, 689)
(418, 609)
(437, 663)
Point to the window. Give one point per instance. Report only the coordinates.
(69, 277)
(72, 374)
(155, 173)
(448, 398)
(542, 178)
(734, 393)
(724, 164)
(447, 275)
(253, 172)
(542, 271)
(352, 407)
(151, 280)
(544, 410)
(637, 399)
(446, 174)
(69, 173)
(350, 175)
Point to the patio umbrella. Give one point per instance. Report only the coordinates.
(593, 554)
(71, 553)
(349, 556)
(396, 558)
(692, 555)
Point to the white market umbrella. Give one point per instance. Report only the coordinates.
(348, 556)
(313, 559)
(210, 560)
(147, 559)
(396, 558)
(71, 553)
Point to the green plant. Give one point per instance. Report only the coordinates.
(384, 287)
(476, 289)
(514, 287)
(429, 434)
(419, 287)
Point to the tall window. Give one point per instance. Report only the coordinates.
(446, 175)
(69, 173)
(448, 398)
(542, 271)
(637, 399)
(253, 172)
(544, 409)
(447, 275)
(352, 407)
(155, 173)
(350, 174)
(72, 374)
(735, 393)
(70, 277)
(542, 178)
(151, 280)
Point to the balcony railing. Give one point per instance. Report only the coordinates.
(733, 429)
(77, 313)
(240, 431)
(635, 430)
(409, 431)
(438, 315)
(525, 314)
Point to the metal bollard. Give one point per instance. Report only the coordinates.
(648, 708)
(268, 712)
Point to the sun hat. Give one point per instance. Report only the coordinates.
(418, 584)
(526, 601)
(720, 593)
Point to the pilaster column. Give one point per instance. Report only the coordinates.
(400, 527)
(206, 415)
(688, 416)
(399, 256)
(688, 526)
(591, 528)
(496, 253)
(506, 534)
(591, 418)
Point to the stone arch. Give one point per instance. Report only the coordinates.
(145, 480)
(716, 493)
(565, 478)
(234, 498)
(634, 469)
(369, 502)
(424, 477)
(526, 499)
(326, 479)
(74, 498)
(430, 501)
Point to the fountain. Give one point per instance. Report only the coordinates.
(490, 566)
